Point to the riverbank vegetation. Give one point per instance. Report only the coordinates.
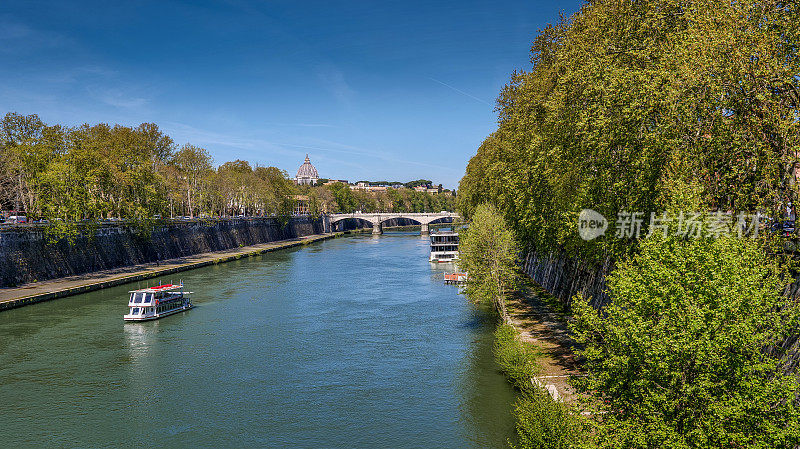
(516, 359)
(678, 358)
(644, 106)
(489, 253)
(660, 107)
(91, 172)
(542, 423)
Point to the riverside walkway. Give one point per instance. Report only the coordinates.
(71, 285)
(546, 331)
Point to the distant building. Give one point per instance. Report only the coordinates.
(306, 174)
(301, 204)
(331, 182)
(427, 189)
(369, 188)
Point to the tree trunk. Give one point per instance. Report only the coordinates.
(189, 201)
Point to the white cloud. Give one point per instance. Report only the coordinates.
(18, 38)
(333, 80)
(116, 97)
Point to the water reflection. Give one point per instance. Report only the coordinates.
(485, 401)
(140, 336)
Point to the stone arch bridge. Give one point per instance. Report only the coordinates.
(377, 219)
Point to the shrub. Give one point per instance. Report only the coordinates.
(543, 423)
(678, 357)
(516, 359)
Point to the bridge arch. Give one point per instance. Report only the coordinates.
(341, 224)
(441, 220)
(377, 219)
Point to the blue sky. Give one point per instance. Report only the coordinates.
(394, 90)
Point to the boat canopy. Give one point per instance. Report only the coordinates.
(160, 288)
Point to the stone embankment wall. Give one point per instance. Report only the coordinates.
(27, 256)
(564, 277)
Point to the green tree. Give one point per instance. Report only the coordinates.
(345, 202)
(273, 191)
(418, 182)
(489, 253)
(235, 181)
(193, 165)
(19, 135)
(678, 359)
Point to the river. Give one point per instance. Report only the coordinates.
(350, 342)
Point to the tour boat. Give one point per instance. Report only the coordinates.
(444, 246)
(153, 303)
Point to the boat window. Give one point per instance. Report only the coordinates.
(148, 297)
(137, 297)
(135, 311)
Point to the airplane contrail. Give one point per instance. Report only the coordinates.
(460, 91)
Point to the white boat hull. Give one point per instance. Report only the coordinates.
(157, 315)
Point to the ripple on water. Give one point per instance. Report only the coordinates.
(351, 342)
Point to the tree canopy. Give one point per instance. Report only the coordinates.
(645, 106)
(91, 172)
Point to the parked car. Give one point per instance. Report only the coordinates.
(17, 219)
(785, 228)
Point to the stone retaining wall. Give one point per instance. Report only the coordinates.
(27, 256)
(564, 277)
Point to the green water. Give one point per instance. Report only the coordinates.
(351, 342)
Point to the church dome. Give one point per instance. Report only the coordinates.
(307, 171)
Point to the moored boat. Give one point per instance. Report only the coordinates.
(444, 246)
(153, 303)
(455, 278)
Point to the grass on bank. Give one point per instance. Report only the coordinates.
(517, 360)
(542, 423)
